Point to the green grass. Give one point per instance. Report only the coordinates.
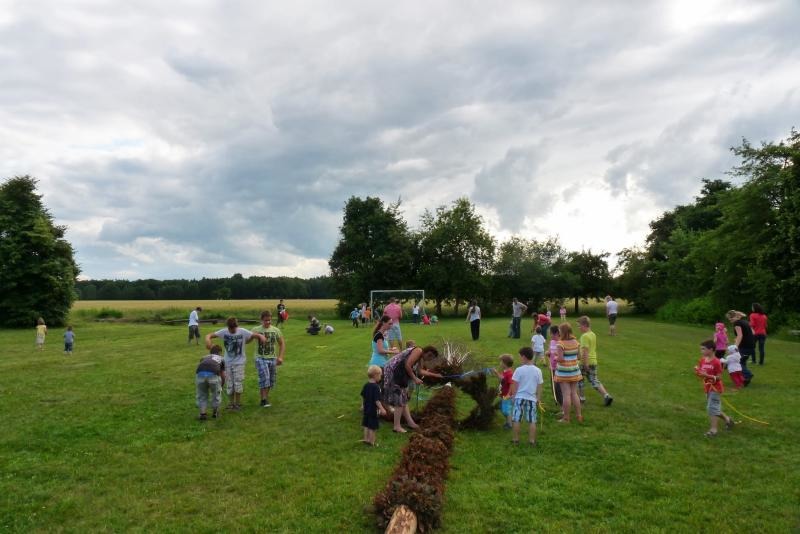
(107, 440)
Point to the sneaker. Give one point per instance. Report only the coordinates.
(608, 400)
(215, 414)
(265, 403)
(230, 407)
(729, 424)
(203, 417)
(710, 434)
(507, 426)
(583, 399)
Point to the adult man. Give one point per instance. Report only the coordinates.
(281, 311)
(194, 325)
(611, 313)
(517, 309)
(234, 339)
(589, 360)
(266, 360)
(395, 313)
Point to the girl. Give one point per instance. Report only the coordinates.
(720, 340)
(568, 373)
(380, 346)
(41, 332)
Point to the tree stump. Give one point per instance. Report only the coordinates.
(404, 521)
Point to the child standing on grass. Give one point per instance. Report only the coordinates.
(209, 382)
(371, 406)
(41, 332)
(710, 370)
(563, 312)
(537, 344)
(354, 315)
(526, 388)
(720, 339)
(552, 355)
(69, 341)
(733, 360)
(505, 376)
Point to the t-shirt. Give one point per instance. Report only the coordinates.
(516, 309)
(589, 340)
(527, 377)
(542, 320)
(273, 334)
(475, 313)
(714, 368)
(328, 329)
(537, 343)
(758, 321)
(721, 340)
(213, 363)
(415, 310)
(748, 342)
(234, 345)
(733, 361)
(371, 393)
(41, 330)
(193, 318)
(394, 311)
(69, 336)
(611, 307)
(505, 381)
(354, 314)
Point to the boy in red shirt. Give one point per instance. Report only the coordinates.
(710, 370)
(506, 402)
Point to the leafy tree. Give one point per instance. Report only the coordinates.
(526, 269)
(456, 253)
(38, 270)
(587, 274)
(374, 251)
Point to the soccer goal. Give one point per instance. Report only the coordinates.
(405, 297)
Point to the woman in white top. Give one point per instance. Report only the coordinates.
(474, 318)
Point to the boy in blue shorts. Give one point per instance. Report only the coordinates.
(505, 374)
(526, 389)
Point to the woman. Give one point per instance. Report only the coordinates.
(380, 346)
(745, 341)
(474, 318)
(568, 372)
(758, 321)
(407, 366)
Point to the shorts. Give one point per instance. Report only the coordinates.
(612, 318)
(394, 334)
(194, 331)
(714, 404)
(506, 405)
(537, 355)
(234, 378)
(591, 375)
(524, 410)
(267, 369)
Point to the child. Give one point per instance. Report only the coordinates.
(552, 355)
(526, 388)
(733, 360)
(41, 332)
(372, 407)
(589, 360)
(434, 319)
(720, 339)
(328, 329)
(209, 382)
(69, 340)
(563, 311)
(537, 344)
(506, 404)
(710, 370)
(511, 329)
(354, 316)
(426, 320)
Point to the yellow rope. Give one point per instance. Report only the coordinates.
(732, 407)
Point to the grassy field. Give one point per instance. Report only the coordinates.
(106, 440)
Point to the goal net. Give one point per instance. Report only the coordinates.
(406, 298)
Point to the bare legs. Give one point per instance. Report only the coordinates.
(569, 398)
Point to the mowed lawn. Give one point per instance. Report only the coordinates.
(107, 440)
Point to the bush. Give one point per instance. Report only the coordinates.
(108, 313)
(700, 310)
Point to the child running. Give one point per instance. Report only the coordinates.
(589, 359)
(41, 332)
(69, 341)
(371, 406)
(710, 370)
(526, 388)
(733, 361)
(505, 375)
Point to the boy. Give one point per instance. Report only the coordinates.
(266, 361)
(354, 316)
(506, 402)
(234, 339)
(526, 388)
(589, 360)
(209, 382)
(537, 344)
(710, 370)
(69, 341)
(371, 395)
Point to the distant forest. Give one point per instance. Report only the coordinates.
(234, 287)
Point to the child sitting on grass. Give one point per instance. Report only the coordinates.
(506, 402)
(372, 407)
(710, 370)
(526, 388)
(209, 382)
(733, 360)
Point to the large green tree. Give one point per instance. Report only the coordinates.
(374, 251)
(38, 269)
(456, 254)
(526, 269)
(587, 276)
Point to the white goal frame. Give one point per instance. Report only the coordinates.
(396, 293)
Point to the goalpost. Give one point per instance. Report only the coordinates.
(381, 297)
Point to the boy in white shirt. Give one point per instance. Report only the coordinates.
(526, 389)
(537, 344)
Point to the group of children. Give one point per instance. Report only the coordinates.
(41, 334)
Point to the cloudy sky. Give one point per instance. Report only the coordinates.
(204, 138)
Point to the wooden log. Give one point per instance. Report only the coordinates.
(404, 521)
